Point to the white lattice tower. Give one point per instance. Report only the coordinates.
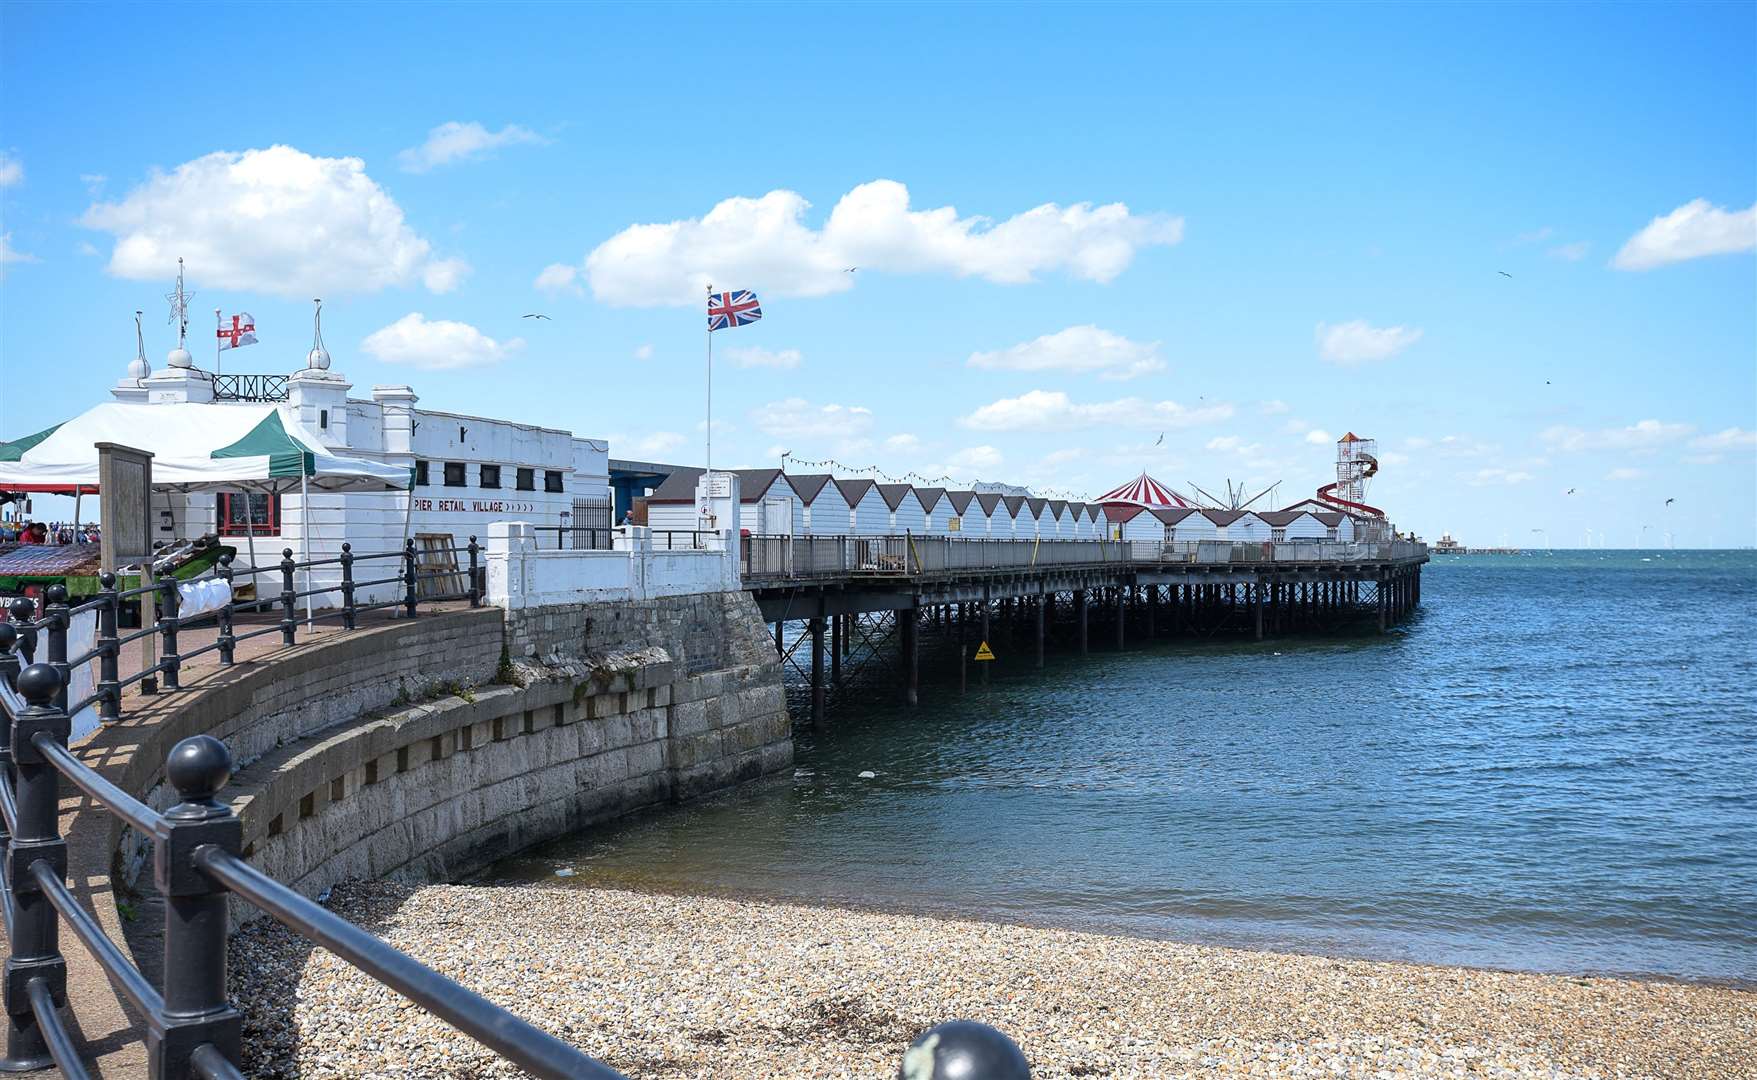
(1356, 460)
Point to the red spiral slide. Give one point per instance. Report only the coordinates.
(1363, 508)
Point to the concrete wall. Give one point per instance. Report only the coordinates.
(430, 748)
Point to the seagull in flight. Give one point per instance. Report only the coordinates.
(545, 318)
(1668, 502)
(1571, 491)
(1503, 273)
(1159, 440)
(849, 269)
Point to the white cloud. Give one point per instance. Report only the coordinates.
(659, 442)
(976, 459)
(902, 443)
(444, 275)
(1319, 437)
(557, 278)
(1359, 342)
(454, 142)
(643, 352)
(10, 254)
(1726, 439)
(1225, 442)
(1692, 231)
(1495, 477)
(1274, 408)
(1573, 252)
(799, 418)
(1044, 410)
(436, 345)
(765, 244)
(11, 170)
(86, 247)
(1078, 350)
(1641, 435)
(277, 220)
(764, 358)
(94, 183)
(1625, 474)
(1535, 236)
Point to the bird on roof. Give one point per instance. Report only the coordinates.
(1503, 273)
(543, 317)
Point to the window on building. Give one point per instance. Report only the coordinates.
(552, 480)
(954, 523)
(323, 419)
(246, 515)
(490, 476)
(454, 474)
(1329, 534)
(526, 479)
(1278, 536)
(421, 474)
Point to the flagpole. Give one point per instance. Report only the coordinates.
(710, 429)
(217, 325)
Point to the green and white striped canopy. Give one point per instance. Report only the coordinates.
(195, 447)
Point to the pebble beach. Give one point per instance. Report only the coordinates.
(663, 986)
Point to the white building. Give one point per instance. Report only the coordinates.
(468, 470)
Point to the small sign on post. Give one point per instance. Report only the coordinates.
(983, 652)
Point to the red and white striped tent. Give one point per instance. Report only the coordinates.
(1142, 491)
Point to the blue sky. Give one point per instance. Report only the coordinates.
(1247, 228)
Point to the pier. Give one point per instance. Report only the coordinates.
(848, 596)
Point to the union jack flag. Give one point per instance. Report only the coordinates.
(737, 308)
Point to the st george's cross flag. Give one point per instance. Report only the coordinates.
(737, 308)
(241, 332)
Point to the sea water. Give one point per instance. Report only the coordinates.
(1551, 766)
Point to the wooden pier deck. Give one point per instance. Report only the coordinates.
(841, 588)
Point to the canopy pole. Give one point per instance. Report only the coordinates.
(250, 537)
(305, 540)
(77, 492)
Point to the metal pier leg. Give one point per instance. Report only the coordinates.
(1152, 611)
(817, 670)
(1122, 599)
(1042, 602)
(1257, 603)
(1381, 605)
(911, 655)
(1080, 618)
(838, 636)
(985, 667)
(780, 647)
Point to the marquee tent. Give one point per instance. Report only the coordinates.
(195, 447)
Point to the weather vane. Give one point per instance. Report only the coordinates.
(179, 302)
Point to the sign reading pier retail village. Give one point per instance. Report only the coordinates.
(125, 480)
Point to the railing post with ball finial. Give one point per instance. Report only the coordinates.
(196, 1009)
(35, 959)
(409, 579)
(228, 639)
(109, 651)
(348, 615)
(289, 616)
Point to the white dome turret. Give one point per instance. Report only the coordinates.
(179, 358)
(318, 358)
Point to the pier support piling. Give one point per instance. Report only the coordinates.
(817, 671)
(1080, 620)
(1042, 602)
(911, 656)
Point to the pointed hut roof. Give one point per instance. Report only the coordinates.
(1143, 491)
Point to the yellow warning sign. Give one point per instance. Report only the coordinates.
(983, 652)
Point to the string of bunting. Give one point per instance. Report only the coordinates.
(832, 465)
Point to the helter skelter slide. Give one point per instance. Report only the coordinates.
(1356, 464)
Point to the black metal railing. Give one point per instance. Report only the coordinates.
(193, 1028)
(404, 584)
(574, 537)
(806, 557)
(250, 387)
